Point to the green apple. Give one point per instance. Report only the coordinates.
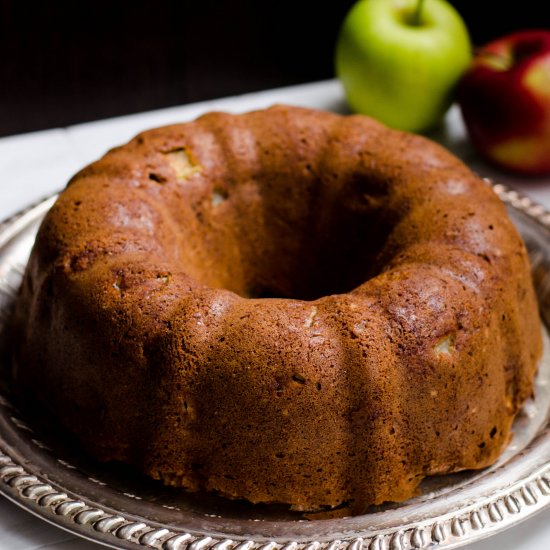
(400, 60)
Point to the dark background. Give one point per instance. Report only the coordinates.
(68, 62)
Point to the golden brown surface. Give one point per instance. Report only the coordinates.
(286, 306)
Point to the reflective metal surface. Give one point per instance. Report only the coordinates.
(48, 476)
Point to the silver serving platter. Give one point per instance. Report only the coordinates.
(49, 477)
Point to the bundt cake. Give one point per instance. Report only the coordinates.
(285, 306)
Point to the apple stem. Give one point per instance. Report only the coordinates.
(417, 15)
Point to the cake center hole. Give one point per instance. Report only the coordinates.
(316, 244)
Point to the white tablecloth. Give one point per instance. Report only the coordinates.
(37, 164)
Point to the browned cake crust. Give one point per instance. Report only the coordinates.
(286, 306)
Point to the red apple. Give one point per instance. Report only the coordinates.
(505, 102)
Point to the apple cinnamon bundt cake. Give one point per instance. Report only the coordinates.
(286, 306)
